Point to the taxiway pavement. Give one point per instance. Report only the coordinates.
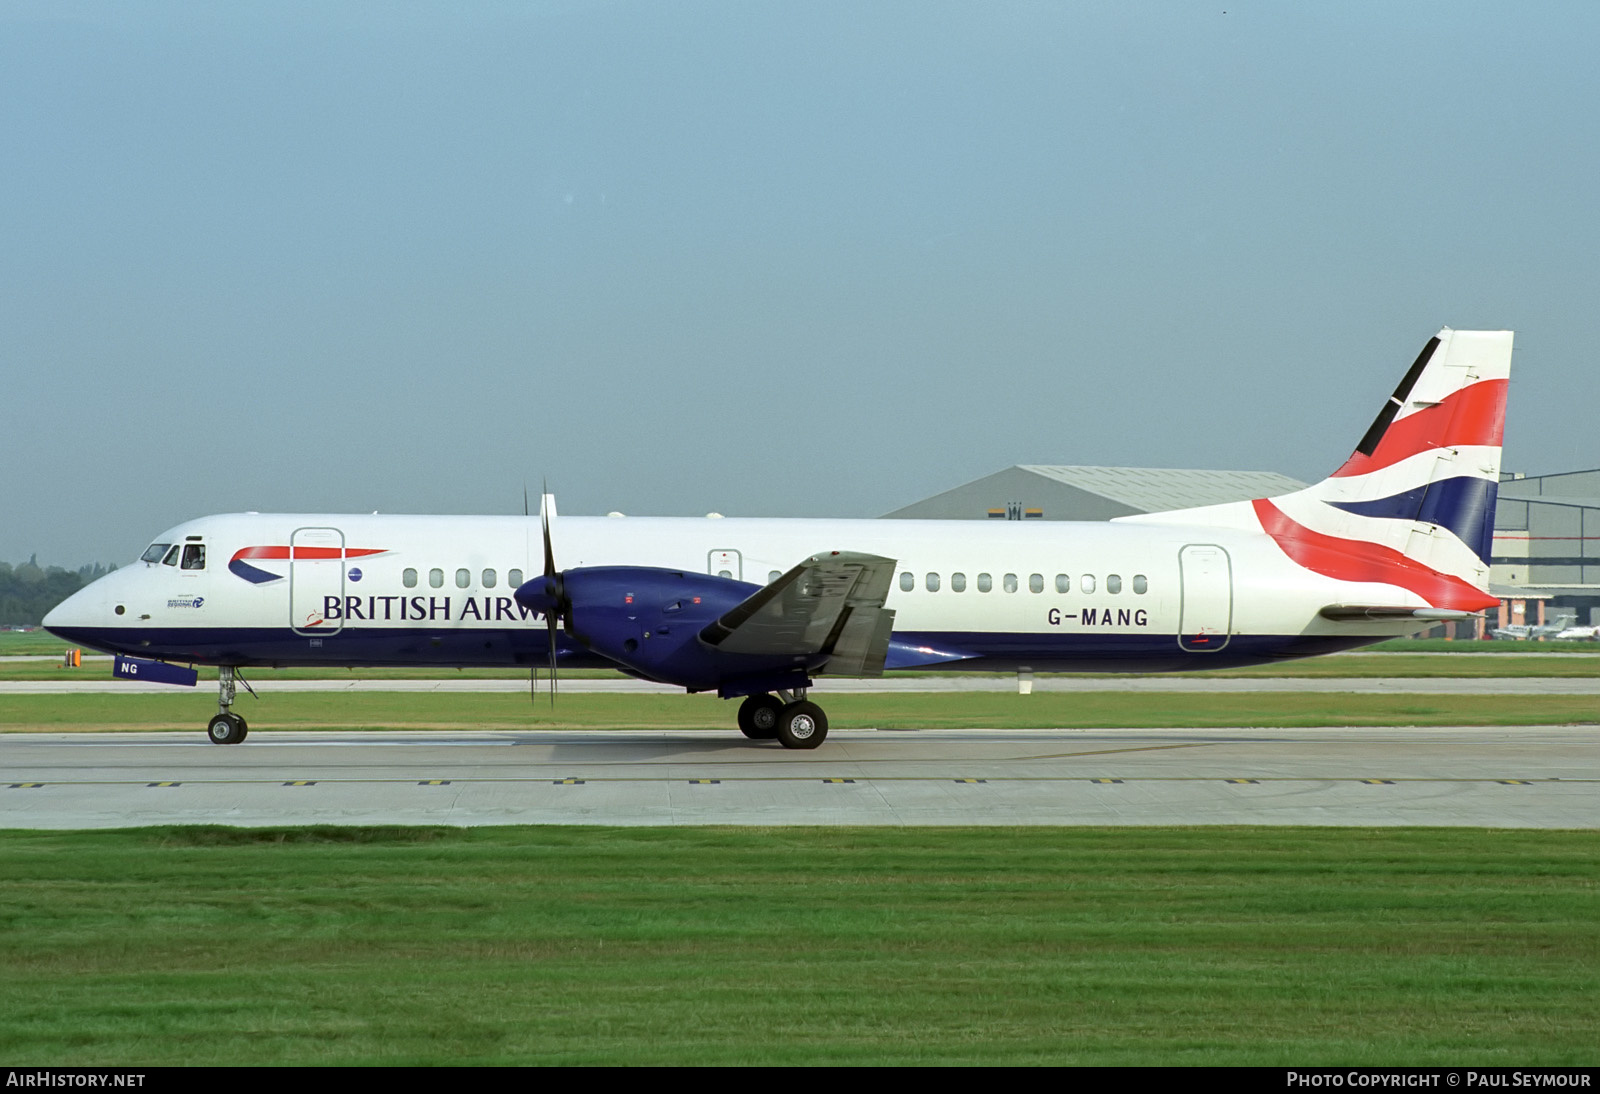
(1531, 776)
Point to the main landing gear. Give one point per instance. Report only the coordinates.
(226, 728)
(791, 721)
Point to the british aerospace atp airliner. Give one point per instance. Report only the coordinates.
(1398, 537)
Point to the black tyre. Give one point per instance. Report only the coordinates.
(226, 729)
(758, 717)
(802, 725)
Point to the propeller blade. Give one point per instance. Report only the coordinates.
(549, 552)
(553, 584)
(550, 622)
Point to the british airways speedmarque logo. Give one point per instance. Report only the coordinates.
(257, 576)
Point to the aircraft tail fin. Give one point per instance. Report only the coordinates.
(1414, 504)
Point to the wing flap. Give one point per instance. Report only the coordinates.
(862, 645)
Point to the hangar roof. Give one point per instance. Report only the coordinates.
(1074, 492)
(1154, 489)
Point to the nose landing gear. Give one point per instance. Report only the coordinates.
(227, 728)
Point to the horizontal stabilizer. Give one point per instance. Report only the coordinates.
(1347, 613)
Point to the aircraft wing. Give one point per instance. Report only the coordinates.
(831, 603)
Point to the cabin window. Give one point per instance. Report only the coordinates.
(958, 583)
(1140, 585)
(933, 583)
(1036, 583)
(1063, 583)
(436, 578)
(1086, 583)
(489, 579)
(194, 556)
(1009, 583)
(908, 582)
(154, 552)
(463, 578)
(514, 578)
(172, 556)
(985, 583)
(408, 577)
(773, 575)
(1113, 583)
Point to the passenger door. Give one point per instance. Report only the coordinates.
(1206, 618)
(316, 571)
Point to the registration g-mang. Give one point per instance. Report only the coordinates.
(1396, 538)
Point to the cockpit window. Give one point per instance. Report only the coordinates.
(194, 556)
(154, 552)
(172, 556)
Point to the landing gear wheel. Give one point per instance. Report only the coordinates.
(758, 717)
(802, 725)
(226, 729)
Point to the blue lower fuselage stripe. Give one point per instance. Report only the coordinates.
(486, 648)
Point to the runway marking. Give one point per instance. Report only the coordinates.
(1242, 781)
(1105, 780)
(26, 786)
(301, 782)
(1134, 748)
(1378, 782)
(971, 780)
(824, 780)
(704, 782)
(434, 782)
(163, 784)
(555, 782)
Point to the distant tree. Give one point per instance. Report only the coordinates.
(28, 591)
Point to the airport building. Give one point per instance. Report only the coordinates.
(1547, 546)
(1546, 558)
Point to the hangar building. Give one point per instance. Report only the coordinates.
(1547, 541)
(1056, 492)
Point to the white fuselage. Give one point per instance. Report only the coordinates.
(285, 589)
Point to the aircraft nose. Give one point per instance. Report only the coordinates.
(59, 615)
(70, 618)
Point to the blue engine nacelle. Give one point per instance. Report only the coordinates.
(649, 621)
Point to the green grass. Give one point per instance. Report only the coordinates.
(1352, 666)
(26, 643)
(1499, 646)
(800, 946)
(136, 710)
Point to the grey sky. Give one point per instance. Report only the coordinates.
(763, 259)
